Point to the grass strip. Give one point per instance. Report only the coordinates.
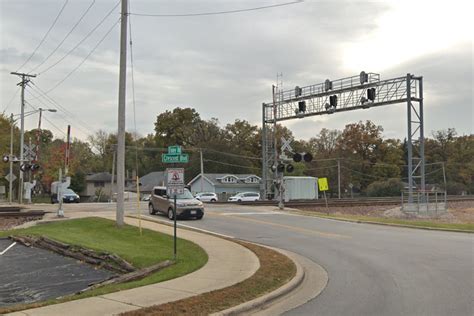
(101, 234)
(275, 270)
(414, 223)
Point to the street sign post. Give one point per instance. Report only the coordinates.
(323, 186)
(175, 179)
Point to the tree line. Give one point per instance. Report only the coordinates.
(368, 163)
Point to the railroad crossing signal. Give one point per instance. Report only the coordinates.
(29, 152)
(285, 145)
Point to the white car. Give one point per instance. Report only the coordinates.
(207, 197)
(244, 197)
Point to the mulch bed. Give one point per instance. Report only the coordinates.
(275, 270)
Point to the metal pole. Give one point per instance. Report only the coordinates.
(38, 135)
(202, 171)
(264, 155)
(339, 178)
(174, 238)
(278, 175)
(121, 116)
(60, 194)
(409, 142)
(113, 175)
(422, 136)
(10, 182)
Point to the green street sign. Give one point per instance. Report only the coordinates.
(167, 158)
(174, 150)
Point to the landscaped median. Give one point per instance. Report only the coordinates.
(102, 235)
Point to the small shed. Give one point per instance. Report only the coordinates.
(301, 188)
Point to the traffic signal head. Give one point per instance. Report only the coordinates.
(25, 167)
(298, 91)
(371, 94)
(308, 157)
(302, 106)
(297, 157)
(34, 167)
(289, 168)
(281, 167)
(364, 77)
(6, 158)
(333, 101)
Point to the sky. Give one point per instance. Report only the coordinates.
(224, 65)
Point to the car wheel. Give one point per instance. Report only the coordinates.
(170, 213)
(213, 200)
(151, 210)
(239, 200)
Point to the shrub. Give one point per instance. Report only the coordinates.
(390, 187)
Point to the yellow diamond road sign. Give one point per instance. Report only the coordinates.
(323, 184)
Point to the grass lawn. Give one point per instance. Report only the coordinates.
(415, 222)
(141, 251)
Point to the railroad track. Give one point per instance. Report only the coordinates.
(346, 202)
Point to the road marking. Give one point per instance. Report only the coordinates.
(298, 229)
(8, 248)
(252, 213)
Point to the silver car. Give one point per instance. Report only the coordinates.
(186, 205)
(207, 197)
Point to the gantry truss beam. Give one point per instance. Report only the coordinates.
(352, 94)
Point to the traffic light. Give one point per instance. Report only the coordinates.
(281, 167)
(364, 77)
(371, 94)
(298, 91)
(302, 106)
(6, 158)
(25, 167)
(333, 101)
(34, 167)
(307, 157)
(290, 168)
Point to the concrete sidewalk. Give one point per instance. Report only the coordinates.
(228, 263)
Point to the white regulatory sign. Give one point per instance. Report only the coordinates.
(175, 180)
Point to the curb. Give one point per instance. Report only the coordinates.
(259, 302)
(262, 301)
(388, 224)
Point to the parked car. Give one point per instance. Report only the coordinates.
(207, 197)
(244, 197)
(69, 196)
(186, 205)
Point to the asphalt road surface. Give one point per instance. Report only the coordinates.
(29, 274)
(373, 270)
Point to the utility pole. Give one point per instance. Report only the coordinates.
(339, 178)
(202, 171)
(10, 180)
(24, 81)
(121, 115)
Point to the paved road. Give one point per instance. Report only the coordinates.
(373, 270)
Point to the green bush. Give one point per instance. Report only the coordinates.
(390, 187)
(455, 188)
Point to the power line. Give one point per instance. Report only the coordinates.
(218, 12)
(81, 41)
(65, 37)
(44, 37)
(230, 164)
(11, 99)
(45, 118)
(228, 154)
(84, 60)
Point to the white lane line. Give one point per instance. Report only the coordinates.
(8, 248)
(252, 213)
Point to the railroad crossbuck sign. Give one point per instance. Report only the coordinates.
(175, 181)
(285, 145)
(323, 184)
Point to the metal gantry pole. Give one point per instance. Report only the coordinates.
(264, 154)
(121, 116)
(409, 141)
(422, 136)
(339, 178)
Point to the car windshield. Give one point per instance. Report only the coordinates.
(239, 194)
(185, 196)
(69, 191)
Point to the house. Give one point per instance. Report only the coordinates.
(148, 181)
(224, 184)
(99, 184)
